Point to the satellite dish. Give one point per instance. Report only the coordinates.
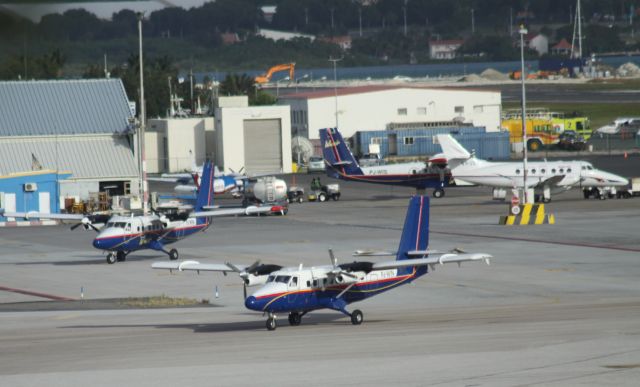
(303, 146)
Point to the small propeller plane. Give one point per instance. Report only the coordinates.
(340, 164)
(122, 235)
(300, 290)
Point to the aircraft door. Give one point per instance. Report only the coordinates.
(293, 287)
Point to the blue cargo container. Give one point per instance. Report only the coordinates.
(421, 142)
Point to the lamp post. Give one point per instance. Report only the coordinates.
(335, 85)
(523, 32)
(142, 120)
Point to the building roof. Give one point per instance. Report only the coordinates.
(96, 156)
(341, 91)
(35, 108)
(446, 42)
(562, 45)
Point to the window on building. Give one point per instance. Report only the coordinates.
(478, 109)
(459, 109)
(376, 140)
(421, 111)
(408, 141)
(402, 111)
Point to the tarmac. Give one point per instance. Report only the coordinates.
(559, 305)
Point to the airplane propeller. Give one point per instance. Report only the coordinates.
(86, 222)
(337, 270)
(244, 274)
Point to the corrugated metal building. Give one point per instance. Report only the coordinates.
(31, 191)
(80, 126)
(422, 142)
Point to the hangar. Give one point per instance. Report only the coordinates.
(256, 138)
(375, 107)
(79, 126)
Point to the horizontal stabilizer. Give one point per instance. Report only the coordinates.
(422, 253)
(440, 260)
(41, 215)
(340, 163)
(373, 253)
(251, 210)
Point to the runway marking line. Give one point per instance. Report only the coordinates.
(36, 294)
(521, 239)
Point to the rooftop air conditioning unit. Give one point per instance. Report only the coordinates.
(30, 187)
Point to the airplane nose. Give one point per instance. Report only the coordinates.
(98, 243)
(251, 303)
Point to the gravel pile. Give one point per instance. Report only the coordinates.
(494, 75)
(628, 70)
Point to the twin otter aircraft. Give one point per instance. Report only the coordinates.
(298, 290)
(122, 235)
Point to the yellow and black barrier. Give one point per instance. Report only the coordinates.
(525, 214)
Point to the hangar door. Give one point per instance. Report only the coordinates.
(262, 146)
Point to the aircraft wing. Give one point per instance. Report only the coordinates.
(381, 253)
(165, 179)
(251, 210)
(553, 180)
(431, 261)
(197, 266)
(41, 215)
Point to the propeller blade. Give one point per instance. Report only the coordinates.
(244, 289)
(334, 261)
(253, 266)
(76, 226)
(93, 227)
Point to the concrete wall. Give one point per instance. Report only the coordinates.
(185, 139)
(230, 134)
(374, 110)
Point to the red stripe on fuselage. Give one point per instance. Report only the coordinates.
(163, 231)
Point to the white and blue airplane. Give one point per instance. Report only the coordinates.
(341, 164)
(297, 291)
(122, 235)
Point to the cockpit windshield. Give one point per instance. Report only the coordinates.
(283, 279)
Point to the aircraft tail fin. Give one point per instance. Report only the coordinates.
(205, 190)
(338, 159)
(415, 234)
(453, 151)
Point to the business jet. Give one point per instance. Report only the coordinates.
(545, 177)
(122, 235)
(340, 164)
(299, 290)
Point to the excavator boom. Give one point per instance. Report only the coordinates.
(266, 77)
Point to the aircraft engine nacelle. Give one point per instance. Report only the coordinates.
(255, 280)
(568, 180)
(267, 190)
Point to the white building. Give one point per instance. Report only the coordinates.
(539, 43)
(282, 35)
(444, 49)
(174, 144)
(375, 107)
(256, 138)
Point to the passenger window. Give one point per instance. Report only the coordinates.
(569, 170)
(294, 281)
(543, 171)
(315, 283)
(533, 171)
(517, 171)
(308, 284)
(553, 170)
(324, 281)
(561, 170)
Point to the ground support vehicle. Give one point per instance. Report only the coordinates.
(295, 194)
(329, 191)
(631, 191)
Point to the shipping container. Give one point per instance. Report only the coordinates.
(421, 142)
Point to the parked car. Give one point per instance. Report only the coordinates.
(316, 164)
(570, 140)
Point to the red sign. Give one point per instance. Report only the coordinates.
(514, 200)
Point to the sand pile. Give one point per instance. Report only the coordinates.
(628, 70)
(472, 78)
(494, 75)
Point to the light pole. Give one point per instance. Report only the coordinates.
(335, 84)
(143, 163)
(404, 11)
(523, 32)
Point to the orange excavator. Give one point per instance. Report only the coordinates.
(266, 77)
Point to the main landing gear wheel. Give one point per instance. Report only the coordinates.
(438, 193)
(121, 256)
(357, 317)
(173, 254)
(295, 319)
(111, 258)
(271, 323)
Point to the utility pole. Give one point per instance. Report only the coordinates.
(106, 72)
(523, 32)
(404, 11)
(510, 21)
(332, 26)
(473, 23)
(360, 19)
(191, 88)
(142, 119)
(335, 84)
